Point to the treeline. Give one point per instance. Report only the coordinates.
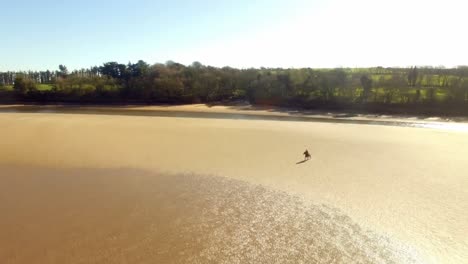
(417, 89)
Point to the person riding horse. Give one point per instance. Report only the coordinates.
(306, 155)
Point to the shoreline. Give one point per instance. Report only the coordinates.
(245, 111)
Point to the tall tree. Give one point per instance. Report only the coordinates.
(366, 84)
(63, 71)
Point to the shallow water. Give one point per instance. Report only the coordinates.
(295, 117)
(116, 216)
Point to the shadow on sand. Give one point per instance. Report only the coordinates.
(302, 161)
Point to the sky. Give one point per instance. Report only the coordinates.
(39, 35)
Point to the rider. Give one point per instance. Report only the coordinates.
(306, 155)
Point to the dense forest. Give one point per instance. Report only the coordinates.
(423, 90)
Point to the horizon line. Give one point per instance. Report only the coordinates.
(253, 67)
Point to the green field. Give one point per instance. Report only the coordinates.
(44, 87)
(40, 87)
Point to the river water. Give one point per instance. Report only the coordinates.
(112, 188)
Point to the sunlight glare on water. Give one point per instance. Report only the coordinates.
(456, 127)
(177, 219)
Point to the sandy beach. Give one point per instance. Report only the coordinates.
(84, 188)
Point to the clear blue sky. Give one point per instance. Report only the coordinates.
(242, 33)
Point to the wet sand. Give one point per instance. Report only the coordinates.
(91, 188)
(243, 111)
